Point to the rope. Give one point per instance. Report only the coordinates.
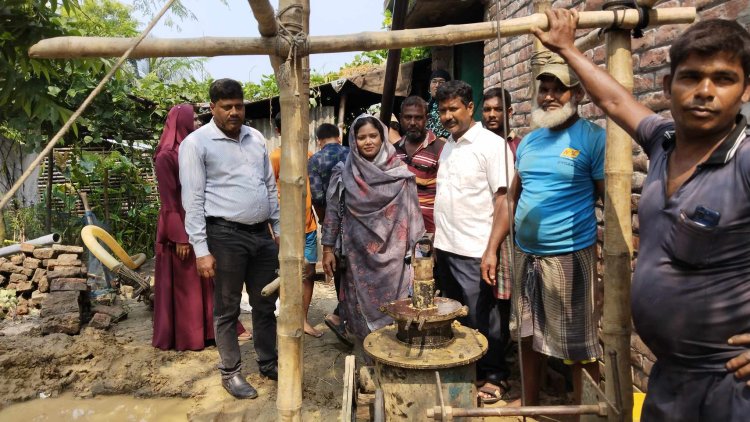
(73, 117)
(294, 35)
(643, 19)
(617, 5)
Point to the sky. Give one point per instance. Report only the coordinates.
(327, 17)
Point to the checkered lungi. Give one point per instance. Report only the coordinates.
(557, 296)
(504, 281)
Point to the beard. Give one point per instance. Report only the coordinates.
(415, 134)
(551, 119)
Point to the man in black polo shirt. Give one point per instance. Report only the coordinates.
(691, 289)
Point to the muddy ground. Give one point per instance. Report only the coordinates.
(122, 362)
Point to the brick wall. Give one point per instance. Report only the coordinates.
(650, 64)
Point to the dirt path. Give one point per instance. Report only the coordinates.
(121, 361)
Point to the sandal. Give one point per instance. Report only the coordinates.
(340, 331)
(489, 393)
(245, 336)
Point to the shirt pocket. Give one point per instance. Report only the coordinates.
(692, 244)
(469, 176)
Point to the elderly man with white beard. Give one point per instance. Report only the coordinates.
(559, 175)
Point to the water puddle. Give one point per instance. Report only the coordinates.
(98, 409)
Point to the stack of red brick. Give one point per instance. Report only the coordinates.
(51, 279)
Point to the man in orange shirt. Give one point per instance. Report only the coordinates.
(311, 235)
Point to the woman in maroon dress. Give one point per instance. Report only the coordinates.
(183, 304)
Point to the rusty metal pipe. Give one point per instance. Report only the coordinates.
(584, 409)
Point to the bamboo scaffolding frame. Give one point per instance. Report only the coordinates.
(392, 64)
(75, 47)
(539, 7)
(264, 14)
(292, 73)
(589, 41)
(618, 236)
(582, 409)
(293, 77)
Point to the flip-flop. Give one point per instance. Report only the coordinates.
(247, 335)
(495, 393)
(340, 332)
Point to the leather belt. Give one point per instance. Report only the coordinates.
(251, 228)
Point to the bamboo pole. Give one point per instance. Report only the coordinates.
(342, 113)
(73, 47)
(264, 14)
(589, 41)
(618, 236)
(392, 64)
(48, 205)
(293, 76)
(132, 43)
(539, 7)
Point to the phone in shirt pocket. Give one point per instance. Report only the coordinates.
(706, 217)
(692, 238)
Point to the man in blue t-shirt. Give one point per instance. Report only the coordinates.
(559, 175)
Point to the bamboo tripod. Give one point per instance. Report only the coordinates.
(285, 40)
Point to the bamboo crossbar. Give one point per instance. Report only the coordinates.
(74, 47)
(580, 409)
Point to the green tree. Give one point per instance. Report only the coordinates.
(28, 109)
(378, 57)
(104, 18)
(37, 96)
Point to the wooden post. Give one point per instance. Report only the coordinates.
(392, 64)
(539, 7)
(293, 76)
(541, 53)
(2, 228)
(106, 195)
(48, 205)
(342, 113)
(618, 236)
(263, 12)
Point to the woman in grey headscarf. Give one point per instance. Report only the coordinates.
(372, 222)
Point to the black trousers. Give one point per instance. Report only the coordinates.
(250, 258)
(459, 277)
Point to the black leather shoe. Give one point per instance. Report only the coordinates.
(272, 372)
(239, 387)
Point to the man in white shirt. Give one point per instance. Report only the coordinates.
(472, 181)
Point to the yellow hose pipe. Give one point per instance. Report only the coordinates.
(91, 236)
